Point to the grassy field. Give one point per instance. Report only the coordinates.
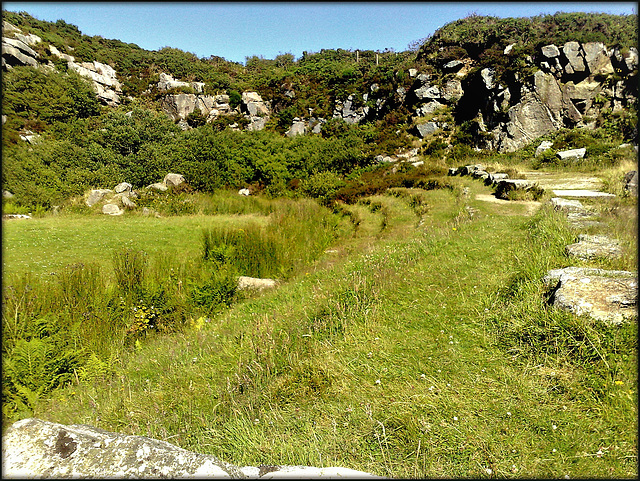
(43, 245)
(419, 346)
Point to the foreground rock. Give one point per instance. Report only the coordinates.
(608, 296)
(35, 448)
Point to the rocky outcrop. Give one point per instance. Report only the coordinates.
(16, 47)
(179, 106)
(36, 448)
(167, 82)
(255, 109)
(574, 82)
(96, 195)
(105, 82)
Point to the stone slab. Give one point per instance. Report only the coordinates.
(580, 193)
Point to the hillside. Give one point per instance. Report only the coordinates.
(478, 83)
(410, 264)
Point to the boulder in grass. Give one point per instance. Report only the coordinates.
(254, 283)
(506, 186)
(571, 154)
(544, 145)
(122, 187)
(159, 186)
(112, 209)
(244, 192)
(173, 180)
(96, 195)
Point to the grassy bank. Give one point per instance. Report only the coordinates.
(412, 349)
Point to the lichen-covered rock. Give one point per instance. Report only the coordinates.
(605, 295)
(427, 128)
(173, 180)
(590, 246)
(505, 186)
(254, 283)
(571, 154)
(96, 195)
(112, 209)
(37, 449)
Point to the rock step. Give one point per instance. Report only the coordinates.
(605, 295)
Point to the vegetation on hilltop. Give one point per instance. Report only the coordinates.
(472, 36)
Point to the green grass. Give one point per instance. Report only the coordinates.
(44, 245)
(414, 351)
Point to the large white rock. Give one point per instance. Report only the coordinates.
(96, 195)
(571, 154)
(112, 209)
(245, 282)
(32, 448)
(173, 180)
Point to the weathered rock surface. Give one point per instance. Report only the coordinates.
(568, 206)
(427, 128)
(581, 193)
(298, 127)
(571, 154)
(96, 195)
(605, 295)
(631, 182)
(254, 283)
(179, 106)
(544, 145)
(105, 82)
(505, 186)
(590, 246)
(167, 82)
(17, 52)
(34, 448)
(173, 180)
(112, 209)
(159, 186)
(123, 187)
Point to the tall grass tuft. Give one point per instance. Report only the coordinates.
(130, 267)
(297, 233)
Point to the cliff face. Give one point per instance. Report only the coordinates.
(507, 99)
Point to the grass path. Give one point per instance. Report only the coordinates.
(381, 359)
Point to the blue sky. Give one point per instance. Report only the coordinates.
(237, 30)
